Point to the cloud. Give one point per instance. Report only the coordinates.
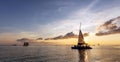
(90, 6)
(58, 37)
(90, 19)
(66, 36)
(55, 38)
(86, 34)
(24, 40)
(70, 35)
(70, 23)
(109, 27)
(49, 39)
(39, 39)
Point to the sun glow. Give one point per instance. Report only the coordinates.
(103, 40)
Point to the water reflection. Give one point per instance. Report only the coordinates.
(83, 57)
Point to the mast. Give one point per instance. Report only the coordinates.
(80, 37)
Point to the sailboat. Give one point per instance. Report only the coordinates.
(81, 43)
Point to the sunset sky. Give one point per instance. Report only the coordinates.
(49, 18)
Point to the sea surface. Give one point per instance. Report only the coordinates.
(59, 54)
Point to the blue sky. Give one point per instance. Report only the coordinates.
(25, 14)
(49, 18)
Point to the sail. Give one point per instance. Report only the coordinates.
(80, 37)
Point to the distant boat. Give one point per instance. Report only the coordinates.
(26, 44)
(81, 43)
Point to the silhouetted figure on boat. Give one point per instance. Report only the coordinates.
(81, 43)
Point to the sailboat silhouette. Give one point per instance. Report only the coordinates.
(81, 43)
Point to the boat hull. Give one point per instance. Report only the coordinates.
(81, 47)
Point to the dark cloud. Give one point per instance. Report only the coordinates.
(55, 38)
(39, 39)
(86, 34)
(66, 36)
(109, 32)
(49, 39)
(109, 27)
(58, 37)
(23, 40)
(70, 35)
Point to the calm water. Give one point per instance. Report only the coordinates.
(59, 54)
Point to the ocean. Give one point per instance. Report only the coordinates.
(59, 54)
